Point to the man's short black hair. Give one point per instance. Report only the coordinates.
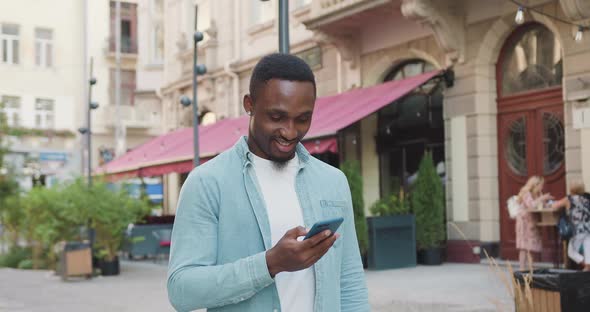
(279, 66)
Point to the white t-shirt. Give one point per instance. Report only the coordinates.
(277, 184)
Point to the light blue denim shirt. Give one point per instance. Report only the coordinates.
(221, 234)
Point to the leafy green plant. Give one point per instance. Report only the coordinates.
(352, 172)
(391, 205)
(26, 264)
(11, 218)
(428, 205)
(14, 256)
(112, 211)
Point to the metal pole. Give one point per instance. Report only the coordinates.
(89, 132)
(195, 107)
(84, 76)
(119, 129)
(284, 26)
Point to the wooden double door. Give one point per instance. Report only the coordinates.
(531, 141)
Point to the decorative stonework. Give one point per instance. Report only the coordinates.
(576, 9)
(447, 21)
(345, 44)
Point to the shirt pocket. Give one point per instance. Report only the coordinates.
(332, 209)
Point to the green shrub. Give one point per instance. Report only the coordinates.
(352, 172)
(391, 205)
(428, 205)
(14, 256)
(26, 264)
(112, 211)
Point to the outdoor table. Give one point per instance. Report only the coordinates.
(547, 218)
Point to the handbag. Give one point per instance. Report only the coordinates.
(565, 227)
(513, 206)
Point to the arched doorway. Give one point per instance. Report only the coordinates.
(530, 123)
(409, 127)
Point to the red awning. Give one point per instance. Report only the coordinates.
(173, 152)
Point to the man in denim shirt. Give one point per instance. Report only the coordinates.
(236, 243)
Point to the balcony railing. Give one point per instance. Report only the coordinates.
(128, 45)
(332, 10)
(138, 116)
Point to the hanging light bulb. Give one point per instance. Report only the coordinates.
(519, 19)
(579, 34)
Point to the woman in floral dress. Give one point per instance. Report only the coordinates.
(528, 237)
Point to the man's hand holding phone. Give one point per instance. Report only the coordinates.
(290, 254)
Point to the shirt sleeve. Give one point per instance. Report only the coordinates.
(353, 288)
(195, 280)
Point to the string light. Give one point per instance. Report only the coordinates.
(579, 34)
(519, 19)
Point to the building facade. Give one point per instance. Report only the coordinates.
(514, 107)
(119, 124)
(47, 61)
(42, 87)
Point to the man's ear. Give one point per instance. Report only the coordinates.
(248, 104)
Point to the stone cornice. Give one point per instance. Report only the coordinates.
(576, 9)
(446, 18)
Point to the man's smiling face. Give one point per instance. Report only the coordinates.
(281, 116)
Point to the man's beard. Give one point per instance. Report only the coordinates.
(279, 164)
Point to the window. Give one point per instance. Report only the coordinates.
(301, 3)
(531, 61)
(10, 43)
(11, 110)
(127, 87)
(261, 11)
(157, 31)
(128, 27)
(43, 47)
(409, 127)
(44, 113)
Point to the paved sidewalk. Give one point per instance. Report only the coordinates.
(142, 287)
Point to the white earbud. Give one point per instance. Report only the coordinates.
(249, 113)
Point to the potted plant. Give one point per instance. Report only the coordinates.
(392, 233)
(352, 171)
(112, 211)
(428, 206)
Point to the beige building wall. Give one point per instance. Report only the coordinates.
(235, 38)
(142, 120)
(62, 82)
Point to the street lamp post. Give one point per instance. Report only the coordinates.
(199, 69)
(283, 26)
(88, 130)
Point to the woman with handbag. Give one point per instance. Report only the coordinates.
(578, 206)
(528, 237)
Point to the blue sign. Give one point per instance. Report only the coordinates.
(63, 157)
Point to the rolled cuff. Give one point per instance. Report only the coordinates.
(259, 271)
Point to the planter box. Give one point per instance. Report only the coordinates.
(392, 242)
(430, 256)
(148, 243)
(109, 268)
(556, 290)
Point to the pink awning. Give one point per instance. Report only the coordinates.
(173, 152)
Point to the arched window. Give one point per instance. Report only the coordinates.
(409, 69)
(408, 127)
(531, 61)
